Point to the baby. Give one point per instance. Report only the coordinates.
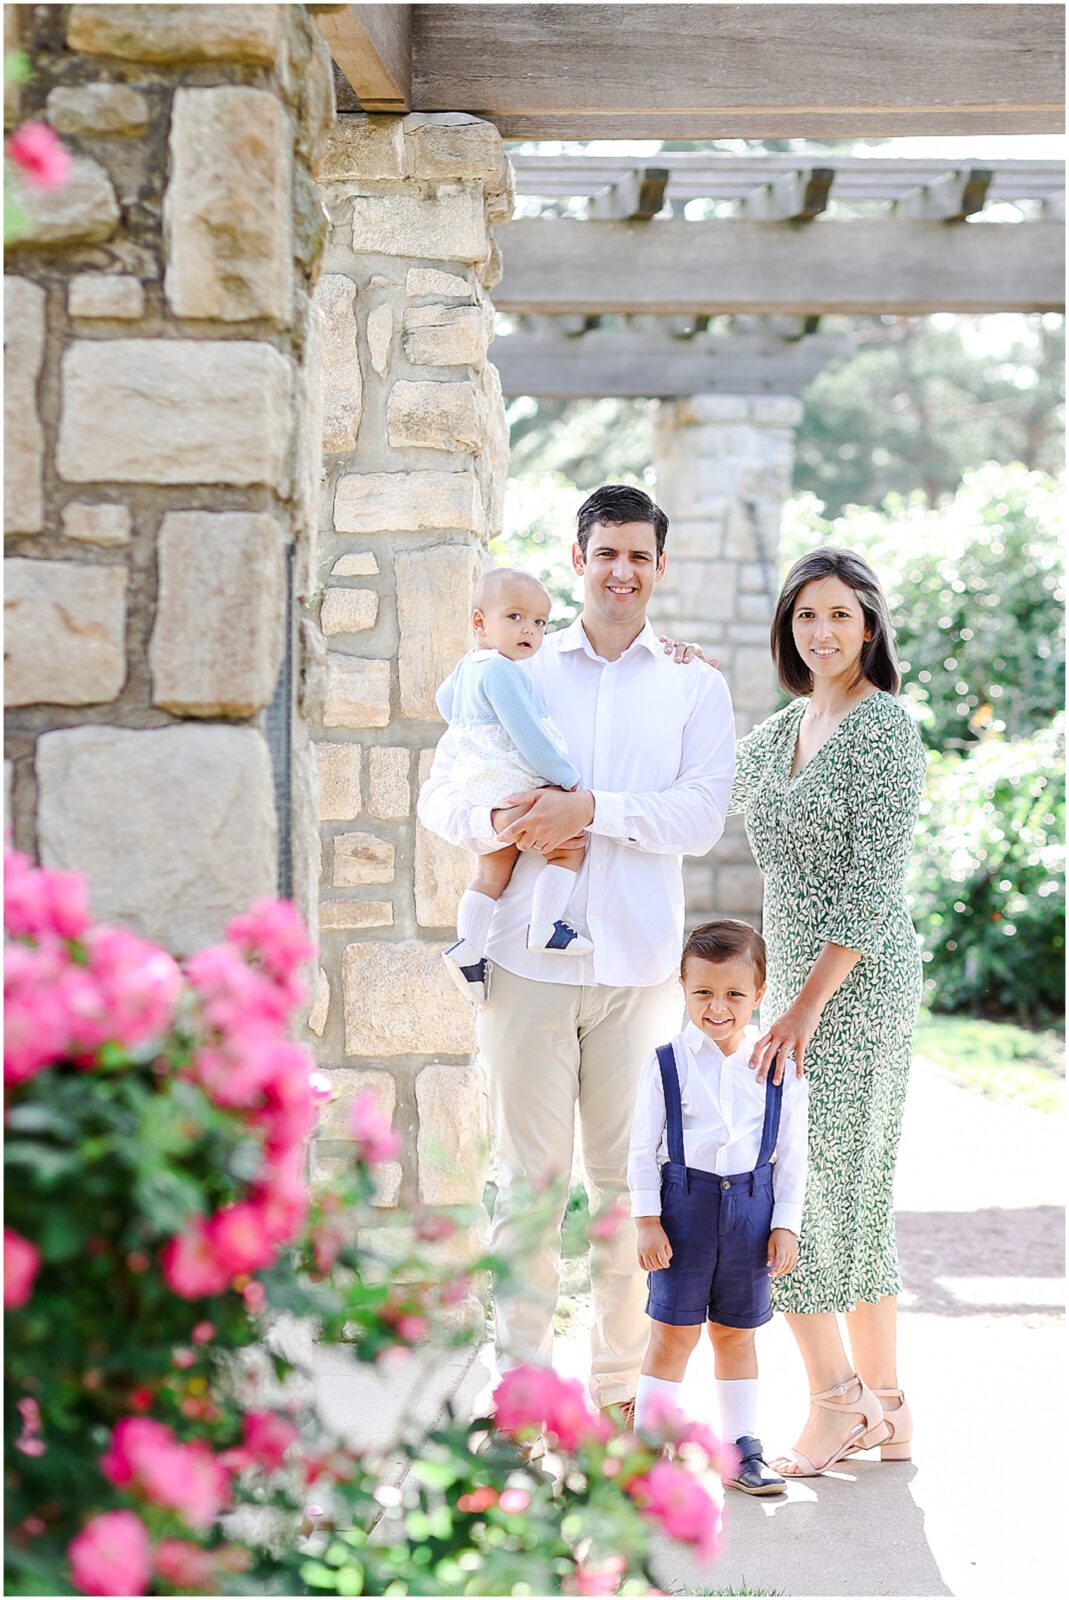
(506, 742)
(717, 1170)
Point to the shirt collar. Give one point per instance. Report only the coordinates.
(574, 637)
(698, 1041)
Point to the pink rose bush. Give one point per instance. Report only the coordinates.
(158, 1221)
(39, 156)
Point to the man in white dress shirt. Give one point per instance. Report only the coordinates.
(654, 743)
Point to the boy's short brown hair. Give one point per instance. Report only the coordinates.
(721, 941)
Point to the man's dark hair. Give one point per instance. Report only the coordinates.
(878, 663)
(721, 940)
(616, 503)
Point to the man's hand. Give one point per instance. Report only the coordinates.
(684, 652)
(654, 1250)
(782, 1252)
(553, 818)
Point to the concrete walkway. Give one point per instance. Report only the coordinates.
(982, 1355)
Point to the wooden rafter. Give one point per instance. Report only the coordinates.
(792, 197)
(636, 197)
(950, 198)
(372, 45)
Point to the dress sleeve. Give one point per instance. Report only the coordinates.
(752, 754)
(887, 767)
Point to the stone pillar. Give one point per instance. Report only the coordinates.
(415, 460)
(160, 350)
(723, 465)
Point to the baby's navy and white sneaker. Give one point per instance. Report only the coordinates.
(753, 1475)
(471, 973)
(557, 938)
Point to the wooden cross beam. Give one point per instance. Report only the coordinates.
(373, 47)
(793, 197)
(951, 198)
(636, 197)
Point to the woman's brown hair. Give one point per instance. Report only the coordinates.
(878, 662)
(722, 940)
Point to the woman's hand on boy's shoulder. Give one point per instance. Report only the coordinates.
(654, 1247)
(782, 1252)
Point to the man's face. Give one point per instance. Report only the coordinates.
(619, 570)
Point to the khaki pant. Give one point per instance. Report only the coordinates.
(545, 1046)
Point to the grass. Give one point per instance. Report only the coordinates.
(726, 1591)
(997, 1058)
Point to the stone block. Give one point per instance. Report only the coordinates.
(362, 148)
(776, 411)
(448, 225)
(175, 827)
(317, 1017)
(433, 594)
(454, 144)
(446, 336)
(357, 693)
(24, 346)
(12, 96)
(380, 337)
(754, 608)
(88, 109)
(429, 280)
(338, 767)
(387, 1175)
(106, 294)
(753, 681)
(390, 793)
(738, 889)
(218, 637)
(733, 844)
(753, 579)
(175, 411)
(399, 1000)
(97, 524)
(170, 34)
(335, 297)
(362, 858)
(442, 870)
(407, 502)
(228, 209)
(348, 610)
(310, 468)
(361, 564)
(64, 633)
(351, 915)
(83, 210)
(434, 416)
(453, 1146)
(493, 464)
(350, 1085)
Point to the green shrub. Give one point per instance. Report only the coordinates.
(987, 885)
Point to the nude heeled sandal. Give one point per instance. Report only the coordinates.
(896, 1447)
(874, 1430)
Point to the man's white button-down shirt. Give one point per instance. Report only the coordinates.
(655, 743)
(723, 1115)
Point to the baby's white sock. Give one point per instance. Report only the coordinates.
(474, 915)
(738, 1407)
(552, 891)
(647, 1389)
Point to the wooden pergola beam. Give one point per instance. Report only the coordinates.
(372, 45)
(951, 198)
(793, 197)
(636, 197)
(652, 365)
(853, 267)
(750, 71)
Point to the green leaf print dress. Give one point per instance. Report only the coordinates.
(833, 844)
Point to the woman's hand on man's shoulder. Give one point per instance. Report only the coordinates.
(684, 652)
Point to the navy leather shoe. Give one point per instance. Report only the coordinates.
(753, 1476)
(471, 979)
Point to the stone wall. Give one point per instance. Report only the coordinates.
(415, 460)
(724, 465)
(161, 416)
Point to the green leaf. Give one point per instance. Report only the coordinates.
(317, 1575)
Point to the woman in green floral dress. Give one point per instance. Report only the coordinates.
(829, 788)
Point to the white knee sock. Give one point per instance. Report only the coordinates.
(474, 915)
(738, 1407)
(647, 1389)
(552, 891)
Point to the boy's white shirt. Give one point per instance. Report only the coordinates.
(723, 1114)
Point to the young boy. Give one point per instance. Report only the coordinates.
(716, 1169)
(506, 742)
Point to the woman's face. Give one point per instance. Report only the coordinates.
(829, 629)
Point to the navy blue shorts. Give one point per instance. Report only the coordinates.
(719, 1237)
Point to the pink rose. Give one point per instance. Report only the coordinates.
(145, 1456)
(514, 1501)
(607, 1224)
(45, 163)
(669, 1495)
(112, 1555)
(22, 1261)
(372, 1132)
(268, 1436)
(272, 933)
(531, 1398)
(36, 1013)
(184, 1566)
(191, 1265)
(38, 901)
(603, 1579)
(240, 1239)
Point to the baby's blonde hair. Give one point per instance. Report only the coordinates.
(488, 586)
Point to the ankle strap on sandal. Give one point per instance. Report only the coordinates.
(837, 1389)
